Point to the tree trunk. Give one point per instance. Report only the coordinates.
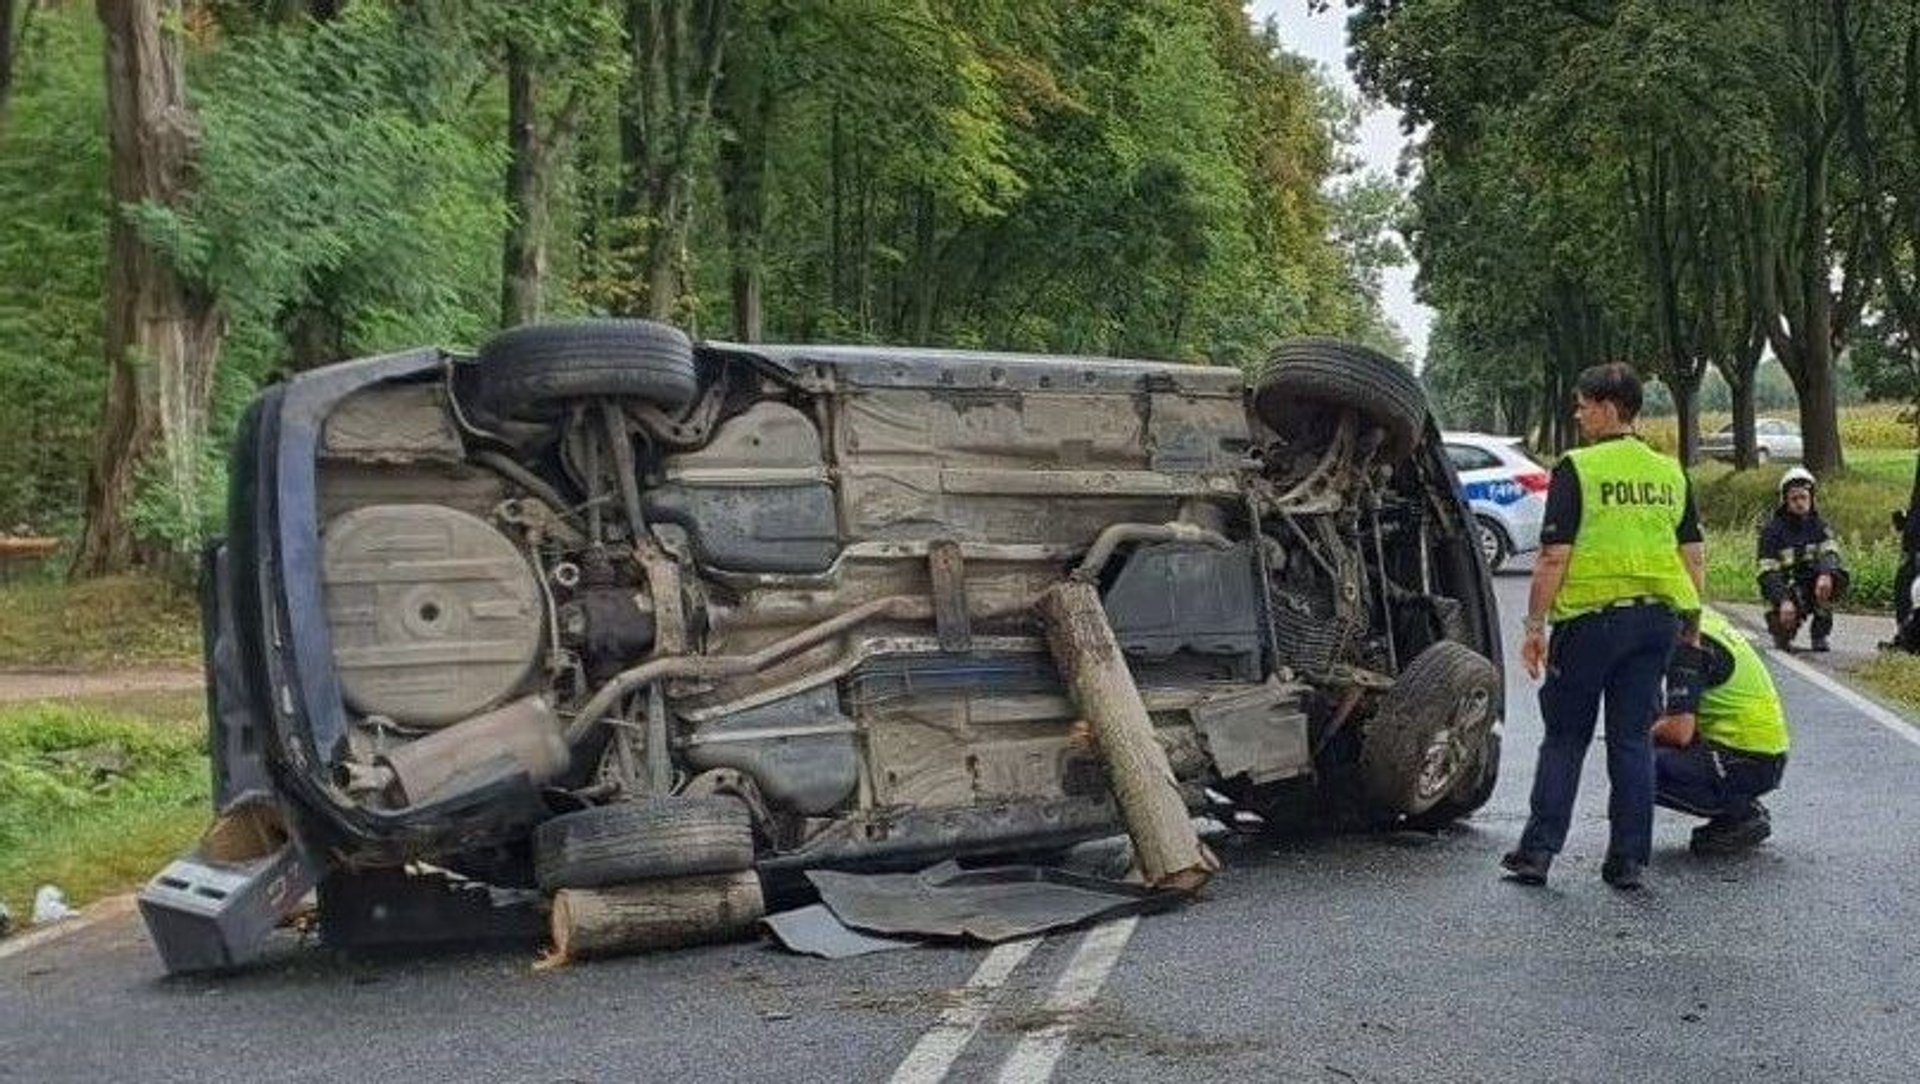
(926, 278)
(668, 913)
(1686, 410)
(1164, 842)
(676, 50)
(1746, 454)
(523, 262)
(6, 58)
(162, 334)
(747, 103)
(665, 238)
(1820, 413)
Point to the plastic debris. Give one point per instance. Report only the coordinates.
(50, 905)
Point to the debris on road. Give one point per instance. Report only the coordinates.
(50, 905)
(946, 902)
(666, 913)
(814, 930)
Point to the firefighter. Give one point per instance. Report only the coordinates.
(1800, 569)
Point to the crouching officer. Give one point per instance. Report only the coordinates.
(1800, 569)
(1723, 740)
(1620, 566)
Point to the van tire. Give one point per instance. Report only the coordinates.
(639, 841)
(1304, 379)
(531, 373)
(1427, 738)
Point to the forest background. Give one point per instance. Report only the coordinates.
(196, 198)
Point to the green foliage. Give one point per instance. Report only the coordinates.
(349, 203)
(181, 517)
(94, 801)
(1641, 180)
(1151, 178)
(1855, 503)
(53, 238)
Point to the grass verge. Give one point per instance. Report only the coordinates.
(93, 799)
(1893, 675)
(113, 621)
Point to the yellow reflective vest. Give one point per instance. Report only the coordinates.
(1743, 712)
(1632, 500)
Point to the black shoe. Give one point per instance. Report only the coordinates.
(1526, 868)
(1622, 873)
(1820, 644)
(1722, 836)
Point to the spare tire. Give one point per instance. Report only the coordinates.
(1306, 380)
(528, 373)
(638, 841)
(1427, 738)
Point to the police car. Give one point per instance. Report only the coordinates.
(1504, 487)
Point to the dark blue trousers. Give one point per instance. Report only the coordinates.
(1707, 780)
(1618, 656)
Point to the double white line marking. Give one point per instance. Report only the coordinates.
(1035, 1055)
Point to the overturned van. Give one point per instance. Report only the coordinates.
(602, 606)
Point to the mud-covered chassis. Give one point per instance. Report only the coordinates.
(600, 607)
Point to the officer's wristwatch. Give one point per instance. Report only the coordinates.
(1535, 624)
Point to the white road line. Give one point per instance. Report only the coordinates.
(1034, 1057)
(1900, 727)
(934, 1054)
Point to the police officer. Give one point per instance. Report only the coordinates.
(1723, 740)
(1620, 567)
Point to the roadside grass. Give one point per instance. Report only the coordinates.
(96, 799)
(113, 621)
(1895, 675)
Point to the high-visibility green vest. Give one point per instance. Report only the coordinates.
(1632, 499)
(1744, 711)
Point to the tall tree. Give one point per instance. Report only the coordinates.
(676, 49)
(6, 58)
(560, 59)
(1879, 78)
(163, 332)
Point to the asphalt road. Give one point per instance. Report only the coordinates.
(1386, 958)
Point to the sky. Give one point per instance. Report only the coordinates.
(1323, 37)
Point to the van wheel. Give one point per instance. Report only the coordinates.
(1307, 380)
(530, 373)
(637, 841)
(1427, 738)
(1474, 791)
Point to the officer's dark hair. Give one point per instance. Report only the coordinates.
(1616, 383)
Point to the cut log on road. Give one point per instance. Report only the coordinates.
(1168, 849)
(667, 913)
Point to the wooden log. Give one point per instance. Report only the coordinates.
(1165, 844)
(667, 913)
(12, 546)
